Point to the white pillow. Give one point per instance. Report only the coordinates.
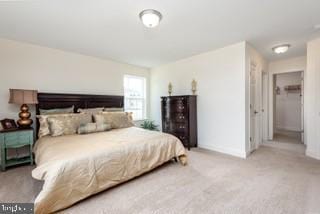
(90, 110)
(57, 111)
(113, 109)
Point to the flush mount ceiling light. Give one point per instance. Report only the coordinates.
(281, 48)
(150, 18)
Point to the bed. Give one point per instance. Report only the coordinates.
(74, 167)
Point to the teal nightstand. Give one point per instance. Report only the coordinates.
(13, 139)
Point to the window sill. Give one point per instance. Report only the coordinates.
(140, 120)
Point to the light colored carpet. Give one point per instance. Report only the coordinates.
(287, 136)
(288, 144)
(271, 180)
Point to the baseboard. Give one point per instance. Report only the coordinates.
(312, 155)
(233, 152)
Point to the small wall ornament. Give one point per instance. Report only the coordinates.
(170, 88)
(194, 86)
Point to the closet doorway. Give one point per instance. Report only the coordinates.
(288, 108)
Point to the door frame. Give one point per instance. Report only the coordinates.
(258, 106)
(271, 113)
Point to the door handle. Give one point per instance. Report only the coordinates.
(255, 112)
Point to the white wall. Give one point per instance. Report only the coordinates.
(29, 66)
(288, 65)
(221, 77)
(288, 105)
(312, 99)
(278, 67)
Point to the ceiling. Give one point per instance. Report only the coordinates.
(112, 29)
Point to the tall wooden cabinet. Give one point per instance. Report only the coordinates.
(179, 118)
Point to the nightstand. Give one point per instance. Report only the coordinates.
(14, 139)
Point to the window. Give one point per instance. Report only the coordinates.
(135, 96)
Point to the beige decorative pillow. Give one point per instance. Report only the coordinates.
(57, 111)
(130, 116)
(76, 119)
(113, 109)
(98, 118)
(90, 110)
(43, 126)
(116, 119)
(93, 127)
(61, 126)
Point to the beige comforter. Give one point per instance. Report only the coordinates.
(76, 166)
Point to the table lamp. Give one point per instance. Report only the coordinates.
(24, 97)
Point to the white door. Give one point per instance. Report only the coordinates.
(264, 107)
(302, 107)
(253, 108)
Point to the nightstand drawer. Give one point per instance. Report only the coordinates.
(17, 138)
(11, 138)
(25, 134)
(25, 139)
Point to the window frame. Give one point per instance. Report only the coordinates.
(143, 99)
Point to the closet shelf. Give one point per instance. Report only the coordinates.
(292, 88)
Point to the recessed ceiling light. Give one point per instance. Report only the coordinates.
(281, 48)
(150, 18)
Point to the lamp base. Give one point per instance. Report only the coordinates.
(24, 121)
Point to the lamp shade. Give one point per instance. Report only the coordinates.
(21, 96)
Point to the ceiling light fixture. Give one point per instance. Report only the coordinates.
(150, 18)
(281, 48)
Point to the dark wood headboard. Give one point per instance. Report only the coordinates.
(53, 100)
